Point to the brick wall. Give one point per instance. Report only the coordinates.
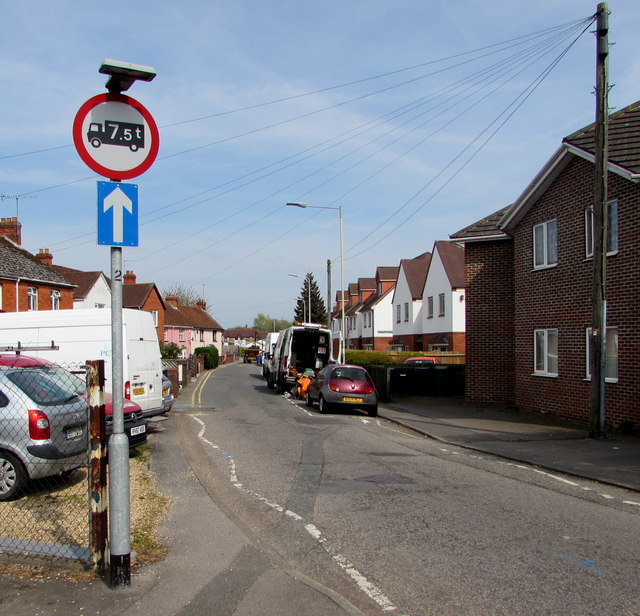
(489, 321)
(154, 302)
(44, 296)
(457, 341)
(560, 297)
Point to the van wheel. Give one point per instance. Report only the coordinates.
(270, 383)
(13, 477)
(279, 387)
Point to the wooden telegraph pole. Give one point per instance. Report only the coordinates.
(597, 340)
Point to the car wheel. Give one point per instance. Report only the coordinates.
(323, 407)
(279, 387)
(372, 411)
(270, 383)
(307, 400)
(13, 477)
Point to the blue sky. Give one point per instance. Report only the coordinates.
(400, 153)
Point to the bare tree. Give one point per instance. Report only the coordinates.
(187, 296)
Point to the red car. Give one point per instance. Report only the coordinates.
(340, 385)
(422, 361)
(135, 425)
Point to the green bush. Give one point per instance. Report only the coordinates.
(210, 355)
(170, 350)
(369, 358)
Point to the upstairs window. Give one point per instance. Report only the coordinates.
(406, 311)
(55, 300)
(154, 315)
(612, 229)
(545, 244)
(430, 307)
(441, 301)
(32, 298)
(398, 313)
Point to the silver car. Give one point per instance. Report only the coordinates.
(167, 393)
(43, 429)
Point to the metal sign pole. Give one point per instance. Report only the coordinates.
(119, 489)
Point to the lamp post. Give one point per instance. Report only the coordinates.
(342, 318)
(309, 292)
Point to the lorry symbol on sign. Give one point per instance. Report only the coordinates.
(116, 133)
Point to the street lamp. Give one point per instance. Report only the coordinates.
(342, 319)
(309, 290)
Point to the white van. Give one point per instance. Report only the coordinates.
(83, 335)
(299, 347)
(270, 342)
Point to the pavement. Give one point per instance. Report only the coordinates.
(525, 437)
(211, 561)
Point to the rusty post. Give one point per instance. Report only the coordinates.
(98, 478)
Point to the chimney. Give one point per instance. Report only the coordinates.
(11, 229)
(129, 277)
(45, 257)
(172, 300)
(201, 304)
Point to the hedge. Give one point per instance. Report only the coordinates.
(210, 355)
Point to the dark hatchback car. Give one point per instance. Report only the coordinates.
(343, 386)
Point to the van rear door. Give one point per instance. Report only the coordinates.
(145, 376)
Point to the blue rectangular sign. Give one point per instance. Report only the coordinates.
(117, 214)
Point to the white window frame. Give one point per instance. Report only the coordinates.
(545, 352)
(430, 307)
(55, 300)
(181, 335)
(611, 355)
(154, 314)
(612, 229)
(398, 312)
(32, 299)
(406, 312)
(442, 304)
(545, 255)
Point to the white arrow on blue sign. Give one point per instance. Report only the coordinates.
(117, 214)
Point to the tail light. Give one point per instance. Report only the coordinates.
(127, 390)
(368, 388)
(39, 428)
(334, 387)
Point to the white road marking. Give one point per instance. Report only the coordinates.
(372, 591)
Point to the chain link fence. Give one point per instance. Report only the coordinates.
(44, 456)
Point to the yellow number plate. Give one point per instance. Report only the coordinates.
(352, 399)
(138, 391)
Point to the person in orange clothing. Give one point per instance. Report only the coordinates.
(300, 389)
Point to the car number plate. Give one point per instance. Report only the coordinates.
(73, 433)
(138, 430)
(138, 391)
(350, 399)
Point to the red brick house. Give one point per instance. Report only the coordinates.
(144, 296)
(529, 272)
(26, 281)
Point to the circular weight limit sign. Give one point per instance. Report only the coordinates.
(116, 136)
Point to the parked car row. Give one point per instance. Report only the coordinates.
(44, 421)
(306, 350)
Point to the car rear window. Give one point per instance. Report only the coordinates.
(40, 388)
(352, 374)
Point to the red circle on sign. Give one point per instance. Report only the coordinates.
(89, 156)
